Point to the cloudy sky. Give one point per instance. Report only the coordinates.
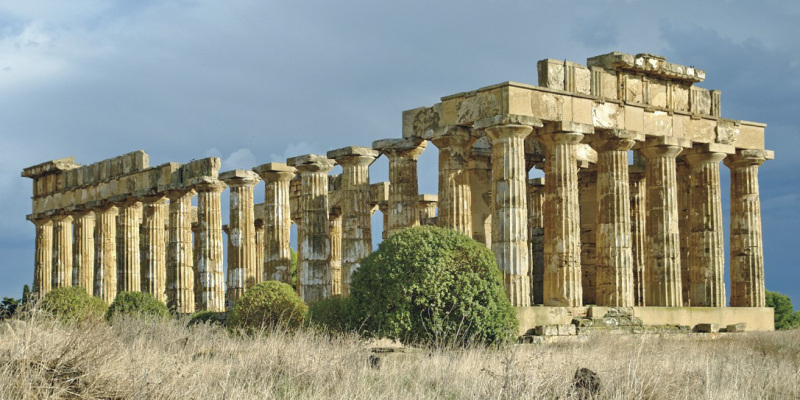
(258, 81)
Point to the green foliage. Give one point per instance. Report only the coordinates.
(431, 285)
(137, 304)
(73, 304)
(8, 307)
(785, 315)
(333, 314)
(267, 305)
(208, 317)
(26, 295)
(294, 269)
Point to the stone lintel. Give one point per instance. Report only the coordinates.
(273, 167)
(536, 182)
(404, 144)
(616, 134)
(700, 148)
(566, 127)
(352, 151)
(50, 167)
(379, 192)
(449, 130)
(310, 160)
(652, 141)
(418, 121)
(196, 171)
(428, 198)
(239, 177)
(647, 64)
(507, 119)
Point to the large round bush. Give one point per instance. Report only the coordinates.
(73, 304)
(432, 285)
(137, 304)
(267, 305)
(333, 314)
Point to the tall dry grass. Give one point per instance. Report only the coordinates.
(44, 359)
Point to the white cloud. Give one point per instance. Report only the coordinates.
(239, 159)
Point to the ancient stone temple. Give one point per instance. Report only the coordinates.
(627, 214)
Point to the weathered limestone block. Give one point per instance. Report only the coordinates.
(706, 328)
(614, 246)
(663, 263)
(62, 251)
(479, 169)
(427, 209)
(43, 263)
(83, 251)
(356, 241)
(155, 214)
(242, 236)
(277, 221)
(562, 249)
(379, 201)
(420, 121)
(105, 254)
(509, 187)
(209, 245)
(638, 194)
(587, 197)
(336, 253)
(564, 75)
(128, 227)
(180, 253)
(706, 251)
(313, 264)
(455, 195)
(747, 254)
(536, 238)
(404, 189)
(736, 328)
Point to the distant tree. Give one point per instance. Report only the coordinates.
(8, 307)
(294, 269)
(26, 295)
(785, 315)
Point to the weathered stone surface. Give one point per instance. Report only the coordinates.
(242, 236)
(43, 261)
(83, 251)
(277, 221)
(536, 238)
(105, 254)
(455, 194)
(209, 246)
(128, 228)
(479, 169)
(336, 253)
(638, 193)
(155, 214)
(180, 253)
(736, 328)
(62, 251)
(404, 188)
(706, 328)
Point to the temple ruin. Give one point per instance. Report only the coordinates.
(628, 214)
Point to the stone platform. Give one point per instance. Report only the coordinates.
(755, 318)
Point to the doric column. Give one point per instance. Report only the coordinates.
(62, 251)
(259, 225)
(105, 254)
(83, 251)
(455, 197)
(154, 251)
(130, 264)
(428, 204)
(242, 234)
(509, 187)
(43, 264)
(336, 252)
(747, 254)
(277, 221)
(209, 249)
(536, 238)
(479, 169)
(384, 209)
(683, 176)
(587, 204)
(707, 246)
(356, 220)
(562, 248)
(615, 286)
(663, 262)
(180, 254)
(638, 189)
(404, 189)
(313, 266)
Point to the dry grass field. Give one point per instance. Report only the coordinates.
(44, 359)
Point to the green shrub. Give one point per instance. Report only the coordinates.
(208, 317)
(267, 305)
(137, 304)
(73, 304)
(785, 315)
(333, 314)
(429, 285)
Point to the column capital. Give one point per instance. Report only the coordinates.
(507, 119)
(663, 146)
(174, 194)
(451, 137)
(748, 157)
(308, 163)
(239, 177)
(209, 185)
(275, 172)
(702, 153)
(614, 139)
(354, 155)
(411, 147)
(157, 199)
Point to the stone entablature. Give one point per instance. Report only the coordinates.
(595, 230)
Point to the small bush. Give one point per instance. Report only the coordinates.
(73, 304)
(333, 314)
(208, 317)
(267, 305)
(430, 285)
(785, 315)
(137, 304)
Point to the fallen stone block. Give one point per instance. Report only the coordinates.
(567, 330)
(736, 328)
(706, 328)
(547, 330)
